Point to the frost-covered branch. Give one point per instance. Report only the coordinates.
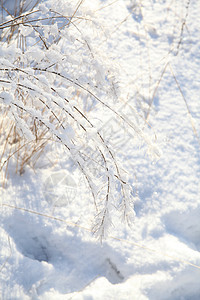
(50, 68)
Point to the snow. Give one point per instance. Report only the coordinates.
(6, 97)
(47, 248)
(25, 31)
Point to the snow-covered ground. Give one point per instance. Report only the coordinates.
(47, 249)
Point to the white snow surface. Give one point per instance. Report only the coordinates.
(47, 250)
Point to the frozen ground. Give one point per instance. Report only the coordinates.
(47, 250)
